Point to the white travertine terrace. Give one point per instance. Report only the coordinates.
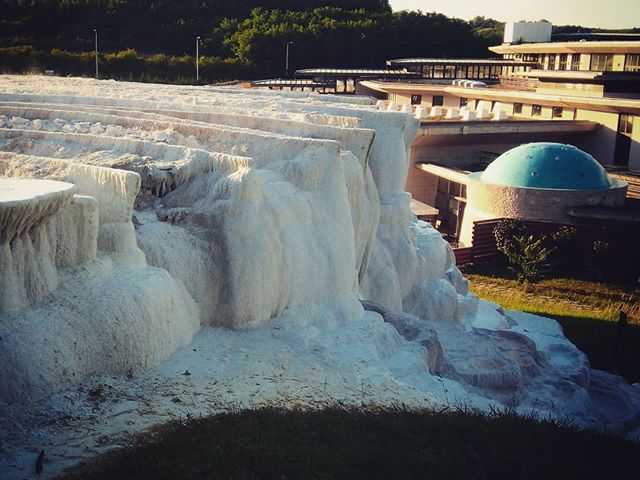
(43, 226)
(24, 203)
(280, 217)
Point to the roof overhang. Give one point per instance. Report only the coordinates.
(459, 62)
(569, 47)
(586, 76)
(484, 127)
(602, 104)
(354, 72)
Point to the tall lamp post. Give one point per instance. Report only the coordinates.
(197, 59)
(286, 60)
(95, 32)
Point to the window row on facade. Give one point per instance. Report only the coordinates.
(599, 62)
(480, 72)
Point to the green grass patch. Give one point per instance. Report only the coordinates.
(587, 310)
(369, 444)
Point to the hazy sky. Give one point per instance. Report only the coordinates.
(592, 13)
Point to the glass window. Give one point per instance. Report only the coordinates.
(438, 101)
(632, 62)
(601, 62)
(416, 99)
(557, 112)
(463, 102)
(552, 61)
(536, 110)
(625, 126)
(575, 61)
(562, 61)
(350, 85)
(517, 108)
(438, 71)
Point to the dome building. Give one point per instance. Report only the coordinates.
(539, 182)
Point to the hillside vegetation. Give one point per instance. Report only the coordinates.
(238, 39)
(155, 39)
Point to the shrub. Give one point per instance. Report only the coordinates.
(528, 256)
(126, 64)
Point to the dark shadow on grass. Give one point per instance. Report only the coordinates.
(380, 444)
(608, 346)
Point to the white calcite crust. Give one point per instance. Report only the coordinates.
(221, 247)
(26, 202)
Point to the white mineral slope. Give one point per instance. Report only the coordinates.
(289, 159)
(115, 190)
(259, 213)
(68, 312)
(356, 140)
(310, 356)
(24, 206)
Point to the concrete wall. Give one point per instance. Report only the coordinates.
(577, 89)
(464, 151)
(527, 32)
(634, 155)
(422, 185)
(603, 141)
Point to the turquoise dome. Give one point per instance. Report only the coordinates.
(547, 165)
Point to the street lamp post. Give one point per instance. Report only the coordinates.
(197, 59)
(286, 61)
(95, 32)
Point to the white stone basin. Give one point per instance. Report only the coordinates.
(25, 202)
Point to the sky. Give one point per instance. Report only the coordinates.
(588, 13)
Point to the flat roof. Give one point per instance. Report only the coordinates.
(283, 82)
(355, 71)
(594, 36)
(459, 61)
(422, 209)
(570, 47)
(450, 173)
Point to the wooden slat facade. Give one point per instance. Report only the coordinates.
(484, 244)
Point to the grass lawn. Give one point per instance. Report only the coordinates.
(381, 444)
(587, 310)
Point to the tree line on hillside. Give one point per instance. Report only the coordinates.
(155, 39)
(149, 26)
(333, 37)
(237, 41)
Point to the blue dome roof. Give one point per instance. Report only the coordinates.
(547, 165)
